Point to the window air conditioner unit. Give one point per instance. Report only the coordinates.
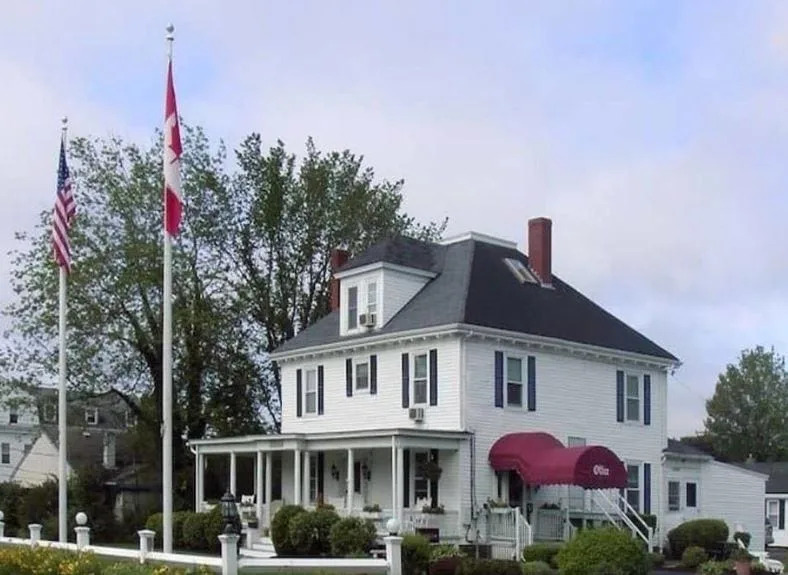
(367, 319)
(416, 413)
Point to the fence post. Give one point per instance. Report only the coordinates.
(146, 542)
(393, 547)
(2, 525)
(35, 533)
(229, 543)
(252, 536)
(82, 531)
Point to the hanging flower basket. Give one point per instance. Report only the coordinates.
(432, 471)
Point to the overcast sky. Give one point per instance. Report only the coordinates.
(654, 134)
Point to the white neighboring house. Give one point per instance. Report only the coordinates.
(468, 356)
(775, 497)
(18, 430)
(698, 486)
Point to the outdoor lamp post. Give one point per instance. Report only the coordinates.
(230, 514)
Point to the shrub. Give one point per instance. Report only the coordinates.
(656, 559)
(415, 554)
(758, 568)
(310, 533)
(353, 536)
(448, 565)
(490, 567)
(537, 568)
(194, 531)
(545, 552)
(706, 533)
(213, 526)
(744, 537)
(325, 519)
(714, 568)
(280, 529)
(178, 518)
(156, 523)
(693, 557)
(444, 550)
(608, 548)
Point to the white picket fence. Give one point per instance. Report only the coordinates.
(228, 564)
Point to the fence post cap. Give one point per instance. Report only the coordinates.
(81, 518)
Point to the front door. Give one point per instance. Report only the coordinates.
(515, 490)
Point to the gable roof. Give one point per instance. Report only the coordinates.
(777, 472)
(676, 447)
(474, 286)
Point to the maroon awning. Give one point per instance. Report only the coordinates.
(541, 459)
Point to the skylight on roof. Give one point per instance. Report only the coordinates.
(522, 273)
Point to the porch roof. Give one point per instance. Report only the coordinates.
(541, 459)
(327, 441)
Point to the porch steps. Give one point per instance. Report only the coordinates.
(263, 548)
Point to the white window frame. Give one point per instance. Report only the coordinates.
(426, 377)
(5, 453)
(418, 477)
(774, 518)
(307, 392)
(674, 504)
(628, 397)
(313, 482)
(686, 499)
(352, 310)
(13, 415)
(509, 381)
(372, 297)
(638, 490)
(358, 383)
(130, 418)
(91, 416)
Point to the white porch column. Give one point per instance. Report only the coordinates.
(258, 489)
(394, 483)
(199, 473)
(400, 483)
(233, 474)
(269, 457)
(305, 482)
(349, 498)
(297, 476)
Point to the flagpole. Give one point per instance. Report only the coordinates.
(167, 360)
(62, 498)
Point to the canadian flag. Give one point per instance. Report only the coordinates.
(173, 202)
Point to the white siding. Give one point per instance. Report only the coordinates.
(574, 397)
(735, 495)
(398, 289)
(780, 535)
(359, 282)
(39, 465)
(682, 471)
(364, 411)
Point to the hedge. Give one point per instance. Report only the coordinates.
(705, 533)
(603, 550)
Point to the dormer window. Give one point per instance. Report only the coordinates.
(91, 416)
(522, 273)
(352, 308)
(372, 298)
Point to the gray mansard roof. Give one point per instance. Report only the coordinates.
(474, 286)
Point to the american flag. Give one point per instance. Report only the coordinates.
(65, 207)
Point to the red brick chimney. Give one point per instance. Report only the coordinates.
(338, 259)
(540, 247)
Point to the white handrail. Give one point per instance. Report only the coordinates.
(625, 518)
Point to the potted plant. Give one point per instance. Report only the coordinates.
(741, 561)
(497, 506)
(432, 471)
(436, 510)
(372, 511)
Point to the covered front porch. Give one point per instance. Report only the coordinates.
(412, 475)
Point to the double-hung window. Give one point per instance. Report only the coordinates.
(421, 485)
(420, 378)
(362, 376)
(773, 512)
(352, 307)
(692, 494)
(514, 381)
(13, 415)
(633, 486)
(313, 477)
(674, 495)
(310, 391)
(5, 453)
(91, 416)
(372, 298)
(633, 398)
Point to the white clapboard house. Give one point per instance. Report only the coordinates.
(542, 411)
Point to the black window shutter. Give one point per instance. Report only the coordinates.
(433, 377)
(373, 374)
(405, 382)
(434, 484)
(647, 488)
(531, 383)
(357, 477)
(406, 477)
(321, 469)
(782, 515)
(498, 379)
(320, 390)
(299, 397)
(646, 399)
(349, 377)
(619, 395)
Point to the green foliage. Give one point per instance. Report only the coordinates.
(415, 554)
(444, 550)
(744, 537)
(446, 565)
(310, 532)
(758, 568)
(280, 530)
(213, 525)
(607, 548)
(693, 556)
(714, 568)
(546, 552)
(352, 536)
(490, 567)
(194, 531)
(656, 559)
(537, 568)
(156, 523)
(748, 413)
(704, 533)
